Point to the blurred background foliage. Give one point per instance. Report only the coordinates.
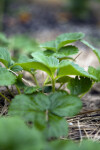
(22, 20)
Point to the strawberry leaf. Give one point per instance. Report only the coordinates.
(5, 57)
(94, 72)
(17, 136)
(6, 77)
(57, 127)
(49, 46)
(64, 105)
(70, 68)
(95, 50)
(79, 85)
(67, 38)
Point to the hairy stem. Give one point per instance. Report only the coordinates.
(19, 92)
(34, 77)
(4, 97)
(53, 85)
(9, 91)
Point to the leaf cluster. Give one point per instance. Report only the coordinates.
(45, 107)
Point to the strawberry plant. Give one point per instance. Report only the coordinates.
(45, 107)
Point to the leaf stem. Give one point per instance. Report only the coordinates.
(19, 92)
(53, 85)
(47, 116)
(34, 77)
(9, 91)
(60, 86)
(4, 97)
(46, 80)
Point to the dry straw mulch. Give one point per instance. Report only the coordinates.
(85, 125)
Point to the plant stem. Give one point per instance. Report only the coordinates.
(4, 97)
(53, 85)
(46, 80)
(19, 92)
(60, 86)
(34, 77)
(9, 91)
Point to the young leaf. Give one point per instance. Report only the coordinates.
(94, 72)
(51, 62)
(70, 68)
(95, 50)
(49, 45)
(62, 40)
(28, 66)
(16, 68)
(5, 57)
(68, 50)
(15, 135)
(79, 85)
(67, 38)
(6, 77)
(64, 105)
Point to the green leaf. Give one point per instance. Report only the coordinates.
(3, 40)
(69, 145)
(70, 68)
(62, 40)
(94, 72)
(68, 50)
(64, 105)
(5, 57)
(95, 50)
(56, 127)
(30, 90)
(23, 43)
(6, 77)
(27, 107)
(49, 45)
(19, 81)
(34, 65)
(79, 85)
(24, 59)
(49, 52)
(16, 68)
(51, 62)
(67, 38)
(63, 79)
(15, 135)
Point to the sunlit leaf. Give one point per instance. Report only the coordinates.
(94, 72)
(49, 45)
(51, 62)
(67, 38)
(70, 68)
